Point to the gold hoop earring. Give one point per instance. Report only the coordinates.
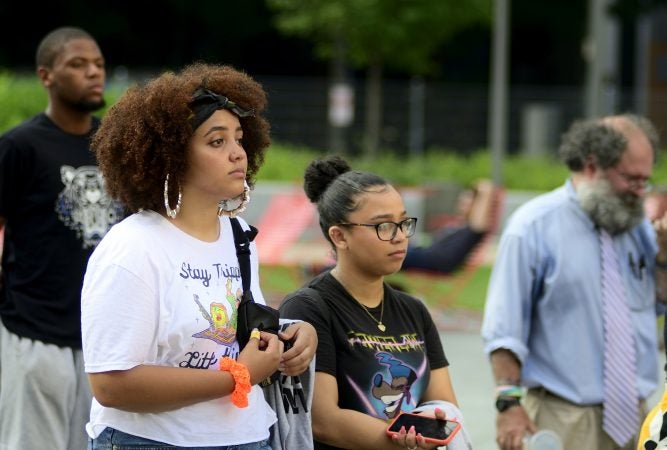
(235, 206)
(172, 212)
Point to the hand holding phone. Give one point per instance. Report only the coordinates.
(435, 431)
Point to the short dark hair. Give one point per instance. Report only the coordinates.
(52, 44)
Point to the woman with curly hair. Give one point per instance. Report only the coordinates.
(160, 296)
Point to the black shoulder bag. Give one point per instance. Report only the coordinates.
(250, 314)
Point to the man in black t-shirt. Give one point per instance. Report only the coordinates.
(55, 210)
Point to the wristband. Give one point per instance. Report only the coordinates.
(508, 390)
(241, 380)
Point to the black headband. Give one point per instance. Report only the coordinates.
(205, 102)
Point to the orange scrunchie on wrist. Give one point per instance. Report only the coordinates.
(241, 380)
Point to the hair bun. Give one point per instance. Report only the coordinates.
(320, 173)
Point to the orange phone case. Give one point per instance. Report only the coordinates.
(409, 419)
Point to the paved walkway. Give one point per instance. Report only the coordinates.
(471, 375)
(473, 384)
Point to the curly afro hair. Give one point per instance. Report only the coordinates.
(144, 136)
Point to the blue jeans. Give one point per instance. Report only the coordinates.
(111, 439)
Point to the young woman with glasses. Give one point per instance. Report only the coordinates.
(379, 352)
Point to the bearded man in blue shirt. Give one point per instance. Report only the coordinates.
(545, 320)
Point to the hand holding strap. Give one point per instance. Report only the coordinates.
(250, 314)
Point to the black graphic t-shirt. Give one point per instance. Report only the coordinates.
(56, 209)
(379, 373)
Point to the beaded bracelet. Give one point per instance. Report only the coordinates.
(241, 380)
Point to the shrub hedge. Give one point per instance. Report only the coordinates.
(23, 96)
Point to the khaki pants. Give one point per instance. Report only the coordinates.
(580, 427)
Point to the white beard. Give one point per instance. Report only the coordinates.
(615, 213)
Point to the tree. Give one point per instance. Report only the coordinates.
(379, 34)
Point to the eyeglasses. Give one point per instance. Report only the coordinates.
(635, 182)
(386, 231)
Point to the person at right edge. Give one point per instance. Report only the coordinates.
(571, 306)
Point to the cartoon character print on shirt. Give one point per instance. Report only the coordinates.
(216, 301)
(398, 381)
(84, 206)
(395, 389)
(221, 317)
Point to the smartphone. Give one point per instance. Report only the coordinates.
(435, 431)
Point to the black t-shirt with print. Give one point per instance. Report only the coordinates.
(378, 373)
(53, 199)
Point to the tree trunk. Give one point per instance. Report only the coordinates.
(373, 109)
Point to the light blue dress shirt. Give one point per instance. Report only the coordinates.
(544, 297)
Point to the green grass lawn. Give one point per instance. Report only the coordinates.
(465, 289)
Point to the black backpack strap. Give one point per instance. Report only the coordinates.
(242, 239)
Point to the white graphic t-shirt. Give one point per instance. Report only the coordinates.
(153, 294)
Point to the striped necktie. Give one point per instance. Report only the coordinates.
(621, 402)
